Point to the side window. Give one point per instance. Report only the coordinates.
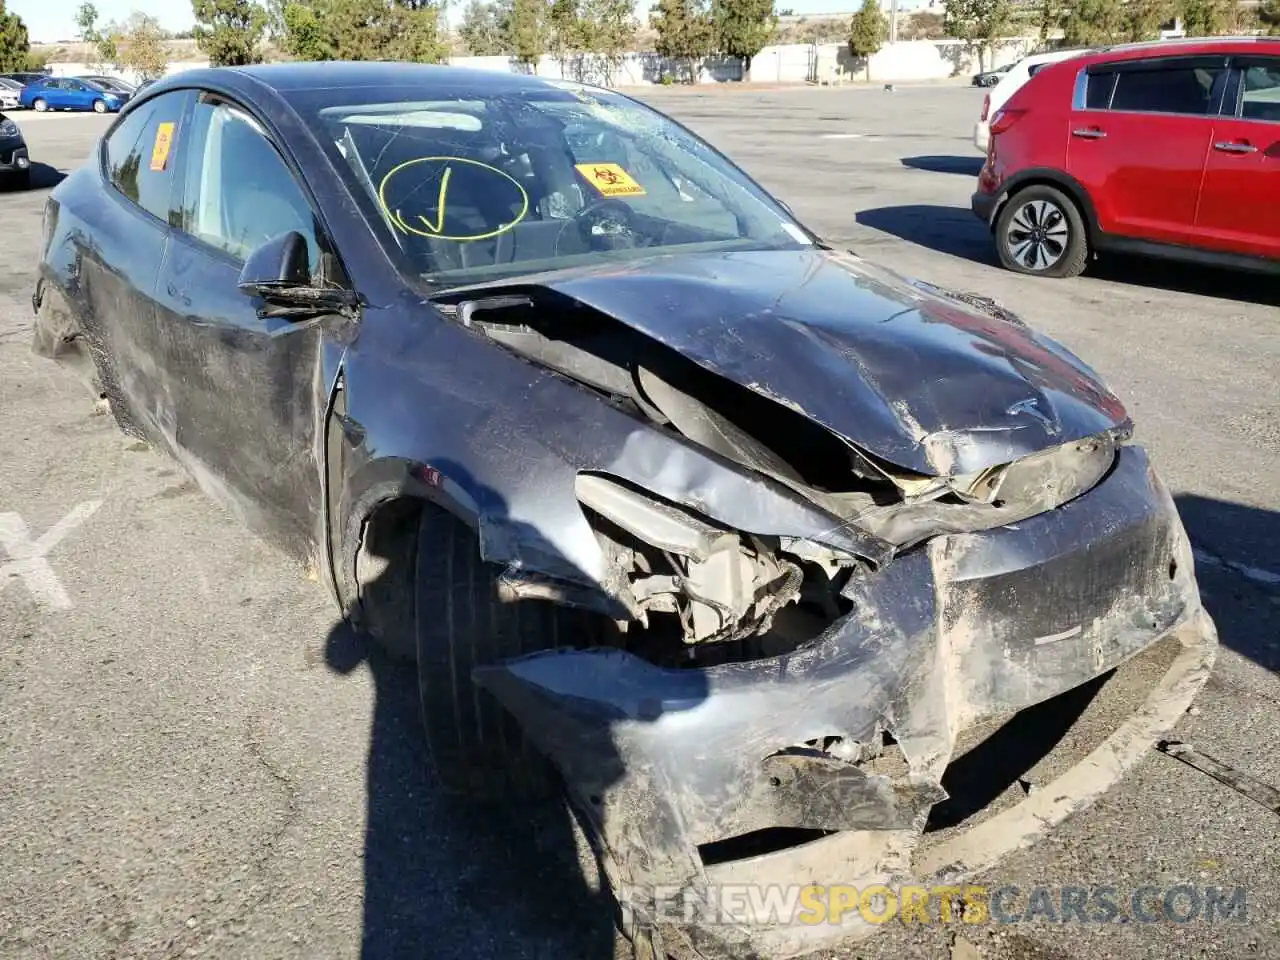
(239, 192)
(1098, 91)
(1260, 99)
(139, 153)
(1172, 88)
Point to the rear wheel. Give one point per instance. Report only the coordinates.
(39, 105)
(476, 747)
(1040, 232)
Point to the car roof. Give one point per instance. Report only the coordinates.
(287, 78)
(1187, 46)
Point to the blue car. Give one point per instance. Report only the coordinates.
(68, 93)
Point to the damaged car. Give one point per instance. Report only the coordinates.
(735, 539)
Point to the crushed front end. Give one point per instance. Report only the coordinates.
(819, 760)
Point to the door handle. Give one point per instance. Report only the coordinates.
(1089, 133)
(1228, 147)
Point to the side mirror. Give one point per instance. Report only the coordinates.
(279, 264)
(279, 272)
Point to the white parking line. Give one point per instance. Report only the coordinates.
(27, 559)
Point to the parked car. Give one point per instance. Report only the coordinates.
(990, 78)
(737, 533)
(25, 78)
(69, 93)
(1009, 84)
(1170, 149)
(10, 91)
(114, 84)
(15, 160)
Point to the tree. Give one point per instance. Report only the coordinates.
(1089, 23)
(1269, 17)
(358, 29)
(606, 30)
(482, 30)
(867, 32)
(1204, 18)
(743, 28)
(140, 45)
(684, 32)
(526, 28)
(977, 21)
(228, 31)
(15, 45)
(1142, 19)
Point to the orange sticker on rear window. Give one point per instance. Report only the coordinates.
(610, 179)
(164, 143)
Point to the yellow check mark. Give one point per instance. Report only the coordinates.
(438, 226)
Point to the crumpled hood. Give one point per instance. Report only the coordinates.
(914, 378)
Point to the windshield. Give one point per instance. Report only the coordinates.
(475, 187)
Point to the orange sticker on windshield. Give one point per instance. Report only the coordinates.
(610, 179)
(163, 144)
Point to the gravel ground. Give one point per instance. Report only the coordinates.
(197, 760)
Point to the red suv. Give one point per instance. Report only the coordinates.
(1169, 148)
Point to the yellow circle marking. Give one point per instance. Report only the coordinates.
(432, 230)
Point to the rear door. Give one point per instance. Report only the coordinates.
(248, 396)
(1140, 132)
(1239, 208)
(119, 251)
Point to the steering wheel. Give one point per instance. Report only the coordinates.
(614, 218)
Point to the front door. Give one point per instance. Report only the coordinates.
(1138, 143)
(1240, 199)
(252, 400)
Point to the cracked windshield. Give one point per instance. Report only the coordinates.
(477, 188)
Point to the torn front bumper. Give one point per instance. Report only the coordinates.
(666, 764)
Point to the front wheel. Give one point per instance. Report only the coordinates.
(99, 106)
(476, 747)
(39, 105)
(1040, 232)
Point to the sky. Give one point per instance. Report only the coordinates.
(56, 19)
(49, 20)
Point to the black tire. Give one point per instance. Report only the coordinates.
(476, 747)
(1041, 233)
(39, 105)
(17, 181)
(99, 106)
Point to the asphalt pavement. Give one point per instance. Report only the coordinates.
(196, 759)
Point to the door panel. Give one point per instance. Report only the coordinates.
(1142, 157)
(1239, 208)
(251, 398)
(120, 255)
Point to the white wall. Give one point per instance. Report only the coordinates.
(911, 60)
(105, 70)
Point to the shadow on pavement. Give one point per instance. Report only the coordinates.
(964, 166)
(950, 230)
(956, 231)
(447, 879)
(43, 177)
(1236, 549)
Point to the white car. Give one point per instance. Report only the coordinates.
(9, 91)
(1021, 72)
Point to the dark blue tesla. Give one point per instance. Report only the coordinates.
(735, 538)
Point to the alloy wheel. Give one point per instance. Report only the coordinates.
(1038, 234)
